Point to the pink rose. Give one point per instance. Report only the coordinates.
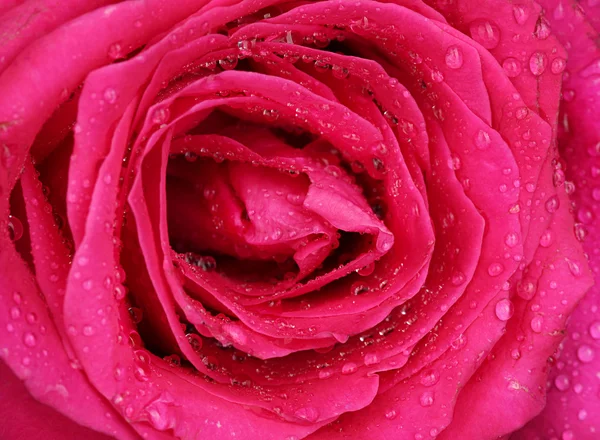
(339, 219)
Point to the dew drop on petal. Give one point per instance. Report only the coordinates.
(454, 57)
(430, 378)
(538, 63)
(160, 115)
(115, 51)
(594, 330)
(308, 413)
(562, 382)
(521, 14)
(426, 399)
(110, 95)
(390, 414)
(458, 278)
(552, 204)
(512, 67)
(482, 140)
(485, 33)
(349, 368)
(536, 324)
(558, 65)
(437, 76)
(504, 309)
(15, 228)
(585, 353)
(511, 239)
(495, 269)
(29, 339)
(371, 359)
(547, 239)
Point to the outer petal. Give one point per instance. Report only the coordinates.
(572, 409)
(32, 419)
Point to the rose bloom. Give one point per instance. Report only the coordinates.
(259, 219)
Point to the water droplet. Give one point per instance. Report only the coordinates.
(521, 14)
(390, 414)
(245, 48)
(358, 288)
(339, 72)
(454, 57)
(558, 65)
(141, 370)
(547, 238)
(209, 193)
(29, 339)
(559, 11)
(552, 204)
(120, 292)
(349, 368)
(15, 312)
(429, 378)
(562, 382)
(110, 95)
(537, 63)
(495, 269)
(119, 373)
(308, 413)
(536, 324)
(458, 278)
(195, 341)
(582, 414)
(585, 353)
(525, 290)
(115, 51)
(567, 435)
(579, 231)
(371, 359)
(512, 67)
(190, 156)
(511, 239)
(88, 330)
(367, 270)
(426, 399)
(204, 262)
(521, 113)
(482, 140)
(585, 215)
(542, 29)
(161, 115)
(437, 76)
(173, 360)
(594, 330)
(324, 374)
(459, 342)
(574, 267)
(504, 309)
(136, 314)
(228, 63)
(271, 114)
(485, 33)
(515, 354)
(15, 228)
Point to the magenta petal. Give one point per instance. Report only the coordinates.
(572, 402)
(516, 370)
(32, 419)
